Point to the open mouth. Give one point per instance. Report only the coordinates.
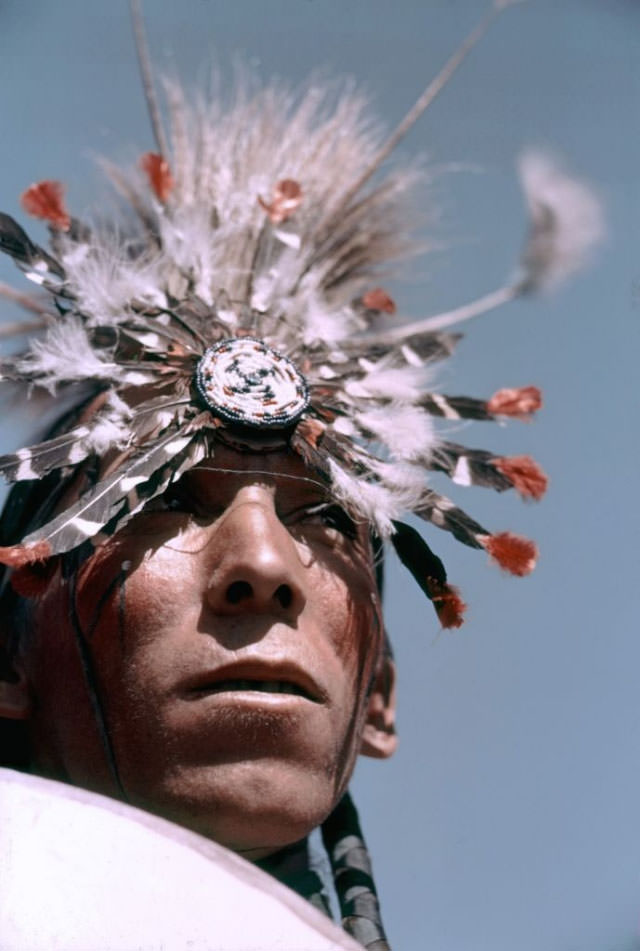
(257, 686)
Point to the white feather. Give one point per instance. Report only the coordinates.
(344, 425)
(106, 280)
(65, 355)
(373, 502)
(566, 222)
(391, 383)
(406, 480)
(108, 434)
(406, 431)
(114, 430)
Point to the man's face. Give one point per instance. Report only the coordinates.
(234, 633)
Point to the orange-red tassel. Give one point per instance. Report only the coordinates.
(287, 197)
(46, 200)
(16, 556)
(525, 475)
(519, 402)
(515, 554)
(446, 600)
(157, 170)
(378, 299)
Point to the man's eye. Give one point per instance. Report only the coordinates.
(333, 516)
(173, 499)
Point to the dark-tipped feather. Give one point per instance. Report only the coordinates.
(429, 572)
(442, 513)
(33, 462)
(115, 498)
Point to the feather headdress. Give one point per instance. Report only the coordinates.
(239, 295)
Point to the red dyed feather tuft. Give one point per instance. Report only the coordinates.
(520, 402)
(15, 556)
(515, 554)
(525, 475)
(378, 299)
(286, 198)
(157, 170)
(46, 200)
(446, 600)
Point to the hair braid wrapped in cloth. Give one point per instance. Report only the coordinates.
(353, 876)
(240, 295)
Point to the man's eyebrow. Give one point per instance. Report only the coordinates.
(274, 473)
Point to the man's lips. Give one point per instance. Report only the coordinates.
(259, 677)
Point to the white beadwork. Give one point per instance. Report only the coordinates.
(247, 382)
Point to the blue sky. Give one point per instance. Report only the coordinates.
(509, 818)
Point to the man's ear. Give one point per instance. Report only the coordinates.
(379, 735)
(15, 696)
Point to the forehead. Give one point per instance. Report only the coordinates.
(282, 472)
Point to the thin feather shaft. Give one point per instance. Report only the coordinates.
(475, 308)
(146, 75)
(27, 303)
(423, 102)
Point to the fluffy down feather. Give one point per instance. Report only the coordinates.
(105, 278)
(373, 502)
(379, 502)
(406, 431)
(65, 355)
(566, 222)
(390, 383)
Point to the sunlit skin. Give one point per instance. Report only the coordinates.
(235, 636)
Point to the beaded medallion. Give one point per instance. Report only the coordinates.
(244, 381)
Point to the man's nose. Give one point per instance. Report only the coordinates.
(255, 568)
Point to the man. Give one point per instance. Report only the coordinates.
(237, 655)
(197, 563)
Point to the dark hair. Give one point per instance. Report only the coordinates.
(28, 505)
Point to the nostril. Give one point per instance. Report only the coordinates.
(238, 591)
(284, 595)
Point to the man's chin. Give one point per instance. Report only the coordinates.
(253, 808)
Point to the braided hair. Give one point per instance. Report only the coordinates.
(353, 876)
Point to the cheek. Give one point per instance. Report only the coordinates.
(350, 598)
(130, 602)
(352, 606)
(65, 737)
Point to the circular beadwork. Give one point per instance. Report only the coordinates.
(244, 381)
